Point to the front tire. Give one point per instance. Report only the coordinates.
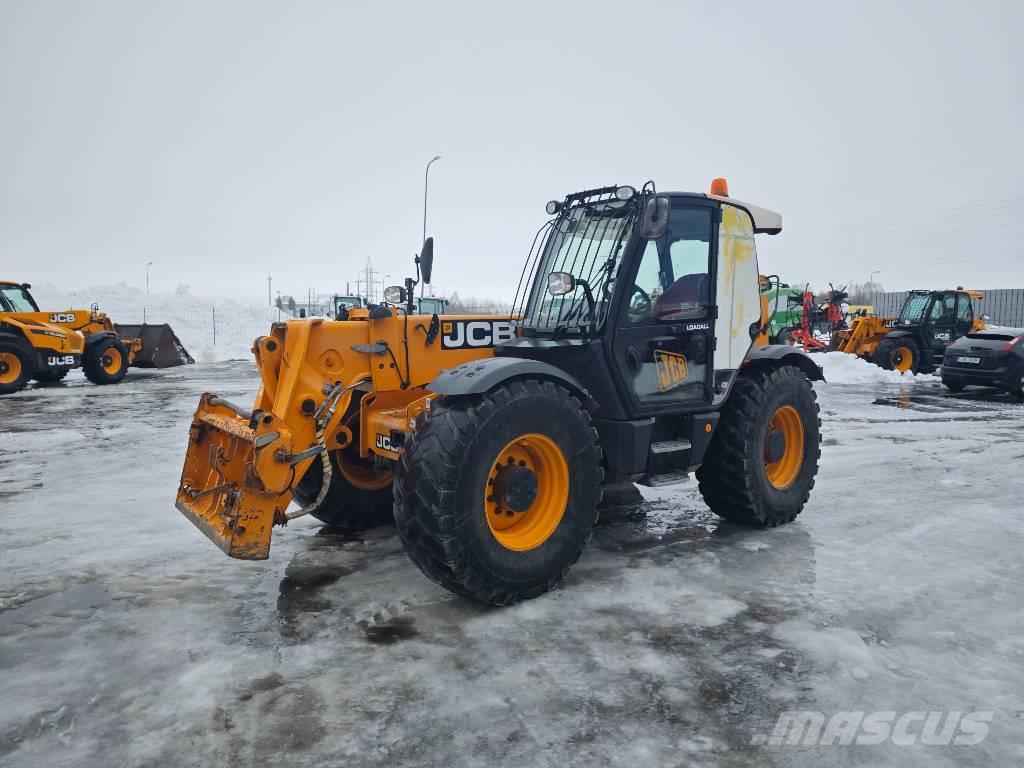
(901, 355)
(15, 368)
(759, 469)
(496, 495)
(359, 496)
(105, 361)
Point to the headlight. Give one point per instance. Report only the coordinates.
(553, 207)
(394, 294)
(625, 193)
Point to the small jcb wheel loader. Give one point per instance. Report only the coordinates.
(916, 340)
(637, 352)
(44, 346)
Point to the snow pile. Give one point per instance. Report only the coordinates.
(211, 330)
(841, 368)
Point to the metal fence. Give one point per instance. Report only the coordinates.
(1004, 306)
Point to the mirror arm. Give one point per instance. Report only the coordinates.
(589, 294)
(410, 286)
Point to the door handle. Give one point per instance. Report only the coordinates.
(633, 359)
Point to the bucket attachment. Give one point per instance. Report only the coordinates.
(236, 481)
(160, 348)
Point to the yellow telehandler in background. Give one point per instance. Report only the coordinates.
(630, 356)
(91, 340)
(917, 338)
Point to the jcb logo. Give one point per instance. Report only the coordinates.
(671, 369)
(384, 442)
(475, 334)
(889, 322)
(60, 360)
(943, 336)
(62, 317)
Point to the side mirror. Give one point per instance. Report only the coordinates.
(302, 312)
(394, 294)
(655, 218)
(426, 261)
(561, 283)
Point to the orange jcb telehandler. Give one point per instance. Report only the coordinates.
(633, 354)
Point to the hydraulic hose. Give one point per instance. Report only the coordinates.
(323, 416)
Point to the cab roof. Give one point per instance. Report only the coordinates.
(765, 222)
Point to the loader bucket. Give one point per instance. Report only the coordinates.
(221, 491)
(160, 347)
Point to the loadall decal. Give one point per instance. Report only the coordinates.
(475, 334)
(671, 369)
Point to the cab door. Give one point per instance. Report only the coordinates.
(964, 315)
(664, 341)
(940, 325)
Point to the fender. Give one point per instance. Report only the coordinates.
(782, 354)
(901, 335)
(483, 375)
(92, 338)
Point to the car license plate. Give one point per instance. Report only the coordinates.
(974, 360)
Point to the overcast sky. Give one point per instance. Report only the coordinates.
(222, 139)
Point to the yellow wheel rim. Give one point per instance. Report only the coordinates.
(10, 367)
(786, 424)
(112, 360)
(363, 476)
(527, 490)
(902, 359)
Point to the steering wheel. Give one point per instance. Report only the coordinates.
(644, 306)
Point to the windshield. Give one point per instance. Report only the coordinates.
(14, 298)
(586, 240)
(914, 307)
(346, 301)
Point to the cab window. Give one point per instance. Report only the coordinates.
(944, 309)
(673, 281)
(14, 298)
(965, 312)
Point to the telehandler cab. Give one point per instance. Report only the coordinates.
(630, 356)
(44, 346)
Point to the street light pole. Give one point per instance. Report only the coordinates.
(148, 265)
(426, 183)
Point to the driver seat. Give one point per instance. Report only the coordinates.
(687, 295)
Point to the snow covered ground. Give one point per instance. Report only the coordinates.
(127, 639)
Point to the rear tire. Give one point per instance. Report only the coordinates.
(15, 368)
(901, 355)
(50, 376)
(738, 479)
(105, 361)
(456, 506)
(355, 503)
